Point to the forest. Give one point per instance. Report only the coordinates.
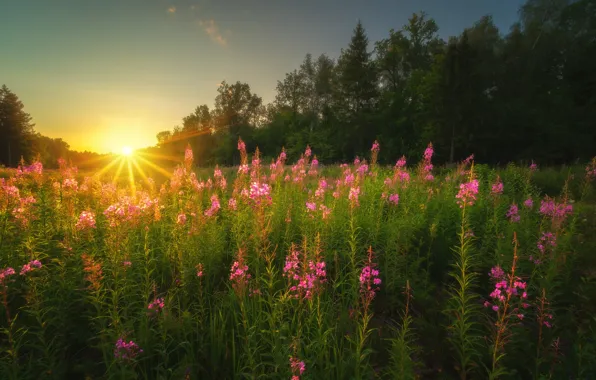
(519, 95)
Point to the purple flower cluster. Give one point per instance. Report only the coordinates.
(215, 206)
(513, 213)
(31, 265)
(306, 277)
(86, 221)
(506, 287)
(298, 368)
(467, 193)
(126, 350)
(156, 306)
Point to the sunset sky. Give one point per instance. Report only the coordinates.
(109, 73)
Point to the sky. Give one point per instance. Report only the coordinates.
(103, 74)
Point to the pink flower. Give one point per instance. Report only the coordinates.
(306, 277)
(188, 157)
(307, 152)
(311, 206)
(375, 147)
(546, 240)
(369, 281)
(298, 367)
(353, 195)
(512, 214)
(86, 221)
(5, 273)
(497, 187)
(394, 198)
(156, 306)
(200, 270)
(401, 162)
(467, 193)
(181, 219)
(126, 351)
(529, 203)
(260, 193)
(215, 206)
(29, 267)
(428, 152)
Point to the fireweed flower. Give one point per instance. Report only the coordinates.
(306, 277)
(497, 187)
(362, 169)
(529, 203)
(232, 205)
(5, 273)
(375, 147)
(86, 221)
(155, 307)
(188, 157)
(215, 206)
(239, 274)
(394, 198)
(467, 193)
(307, 152)
(260, 193)
(369, 280)
(548, 239)
(513, 214)
(506, 288)
(533, 166)
(298, 367)
(181, 219)
(34, 264)
(353, 196)
(126, 350)
(401, 163)
(199, 270)
(557, 211)
(426, 164)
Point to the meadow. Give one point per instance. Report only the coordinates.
(294, 271)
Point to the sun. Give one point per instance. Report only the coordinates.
(127, 151)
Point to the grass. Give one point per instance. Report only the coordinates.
(264, 275)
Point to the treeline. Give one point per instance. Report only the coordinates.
(20, 141)
(527, 94)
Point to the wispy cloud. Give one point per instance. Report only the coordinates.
(172, 9)
(211, 28)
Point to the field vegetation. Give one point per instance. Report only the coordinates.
(289, 270)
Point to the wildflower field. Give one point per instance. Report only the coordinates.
(274, 271)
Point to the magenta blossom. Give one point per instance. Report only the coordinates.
(467, 193)
(30, 266)
(126, 351)
(513, 214)
(394, 198)
(156, 306)
(86, 221)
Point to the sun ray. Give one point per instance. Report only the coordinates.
(139, 169)
(117, 175)
(131, 179)
(158, 168)
(107, 167)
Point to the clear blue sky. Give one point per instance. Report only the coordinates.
(107, 73)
